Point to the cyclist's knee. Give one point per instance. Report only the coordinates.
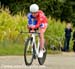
(41, 35)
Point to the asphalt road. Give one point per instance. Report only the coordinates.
(59, 61)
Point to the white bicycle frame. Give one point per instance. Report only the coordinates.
(33, 35)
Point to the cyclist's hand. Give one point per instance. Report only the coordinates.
(32, 31)
(33, 27)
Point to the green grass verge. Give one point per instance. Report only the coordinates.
(12, 49)
(17, 49)
(53, 52)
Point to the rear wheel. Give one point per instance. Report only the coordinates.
(28, 52)
(42, 60)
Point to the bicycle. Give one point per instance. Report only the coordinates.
(32, 48)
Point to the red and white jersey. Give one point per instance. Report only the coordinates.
(41, 18)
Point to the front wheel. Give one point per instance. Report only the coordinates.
(42, 60)
(28, 52)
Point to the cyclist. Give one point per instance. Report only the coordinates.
(37, 19)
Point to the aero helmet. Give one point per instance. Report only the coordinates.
(34, 8)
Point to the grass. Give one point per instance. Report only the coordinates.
(16, 48)
(12, 49)
(53, 52)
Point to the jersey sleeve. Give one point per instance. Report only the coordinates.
(40, 18)
(29, 19)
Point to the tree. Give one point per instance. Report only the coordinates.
(59, 9)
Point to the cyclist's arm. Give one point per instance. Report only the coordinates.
(38, 23)
(30, 22)
(29, 19)
(40, 18)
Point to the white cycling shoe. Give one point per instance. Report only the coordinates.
(40, 55)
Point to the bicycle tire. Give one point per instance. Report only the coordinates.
(25, 51)
(42, 60)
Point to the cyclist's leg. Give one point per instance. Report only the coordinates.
(42, 31)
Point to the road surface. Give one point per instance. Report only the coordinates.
(59, 61)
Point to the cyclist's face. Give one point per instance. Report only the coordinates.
(34, 14)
